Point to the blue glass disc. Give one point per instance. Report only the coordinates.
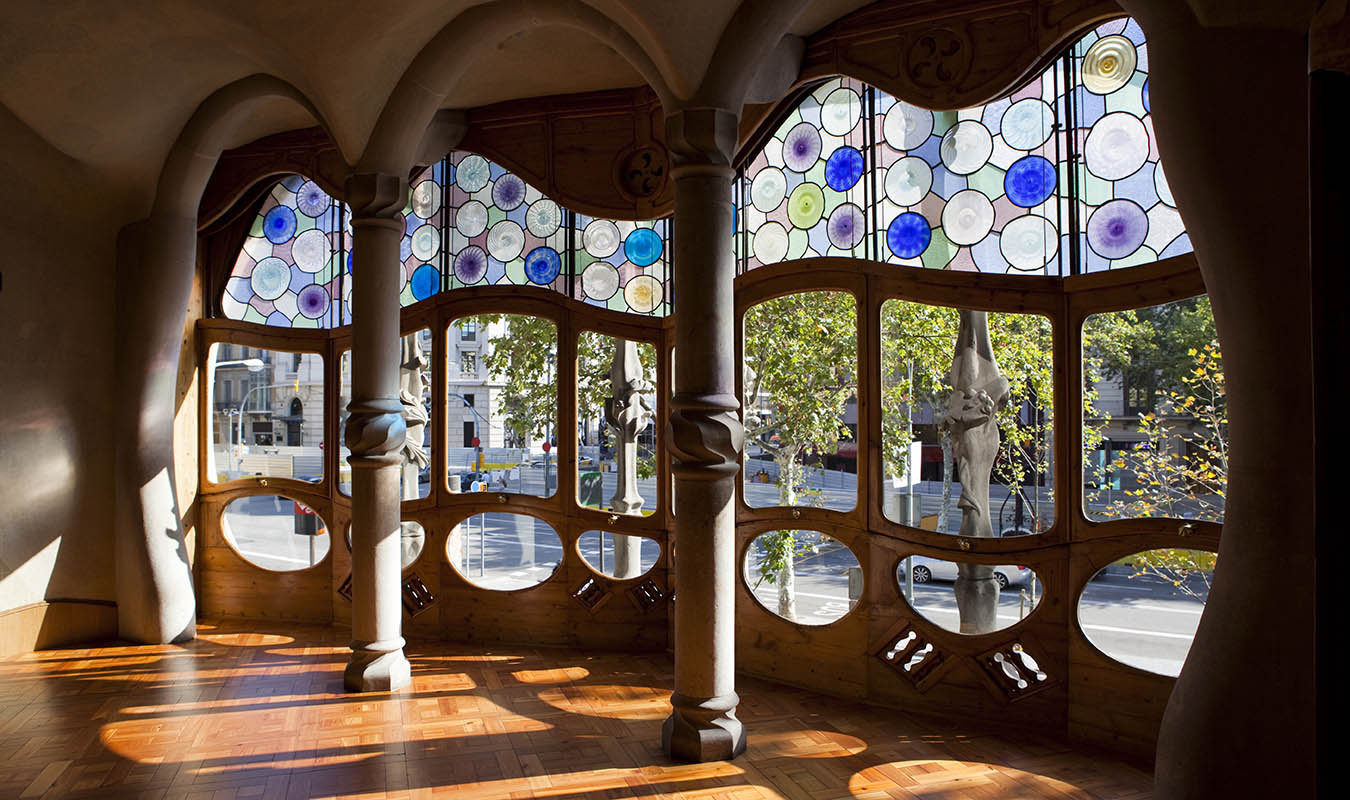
(908, 235)
(426, 280)
(279, 224)
(1030, 181)
(843, 169)
(1147, 109)
(542, 265)
(643, 247)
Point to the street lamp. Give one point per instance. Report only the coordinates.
(253, 364)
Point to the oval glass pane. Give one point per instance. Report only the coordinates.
(1143, 609)
(617, 555)
(504, 551)
(929, 585)
(275, 532)
(413, 537)
(803, 576)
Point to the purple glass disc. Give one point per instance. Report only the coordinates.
(471, 264)
(1117, 228)
(846, 226)
(801, 147)
(313, 301)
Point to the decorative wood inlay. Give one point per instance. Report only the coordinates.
(915, 658)
(1013, 672)
(591, 594)
(949, 54)
(645, 595)
(416, 596)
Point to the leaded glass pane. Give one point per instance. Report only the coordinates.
(288, 271)
(623, 266)
(1126, 213)
(806, 190)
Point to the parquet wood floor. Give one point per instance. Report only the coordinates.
(256, 710)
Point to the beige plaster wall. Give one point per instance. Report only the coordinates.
(56, 374)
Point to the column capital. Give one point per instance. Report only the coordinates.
(375, 432)
(705, 435)
(375, 195)
(702, 137)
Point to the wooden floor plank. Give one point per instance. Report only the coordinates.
(257, 710)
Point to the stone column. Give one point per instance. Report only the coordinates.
(376, 435)
(705, 438)
(979, 390)
(627, 412)
(1218, 86)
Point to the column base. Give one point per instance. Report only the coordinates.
(703, 730)
(377, 670)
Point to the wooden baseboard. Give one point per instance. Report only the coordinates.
(55, 623)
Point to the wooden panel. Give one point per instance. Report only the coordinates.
(945, 54)
(56, 623)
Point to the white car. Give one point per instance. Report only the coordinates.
(935, 569)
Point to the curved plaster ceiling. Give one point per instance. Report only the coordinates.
(111, 84)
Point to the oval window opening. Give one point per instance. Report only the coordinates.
(803, 576)
(930, 587)
(617, 555)
(504, 551)
(1143, 609)
(275, 532)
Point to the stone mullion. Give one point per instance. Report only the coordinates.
(705, 437)
(375, 435)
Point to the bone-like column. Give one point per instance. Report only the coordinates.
(705, 438)
(1241, 76)
(376, 435)
(979, 390)
(627, 412)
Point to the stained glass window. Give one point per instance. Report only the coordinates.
(501, 229)
(468, 222)
(623, 266)
(288, 272)
(976, 189)
(1126, 214)
(1000, 188)
(420, 249)
(805, 189)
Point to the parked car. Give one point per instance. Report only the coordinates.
(466, 480)
(935, 569)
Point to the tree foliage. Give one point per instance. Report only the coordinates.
(1179, 469)
(800, 357)
(523, 355)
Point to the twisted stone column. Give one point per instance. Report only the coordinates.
(979, 390)
(376, 434)
(627, 412)
(705, 438)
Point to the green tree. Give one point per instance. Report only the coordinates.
(523, 355)
(800, 358)
(1180, 468)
